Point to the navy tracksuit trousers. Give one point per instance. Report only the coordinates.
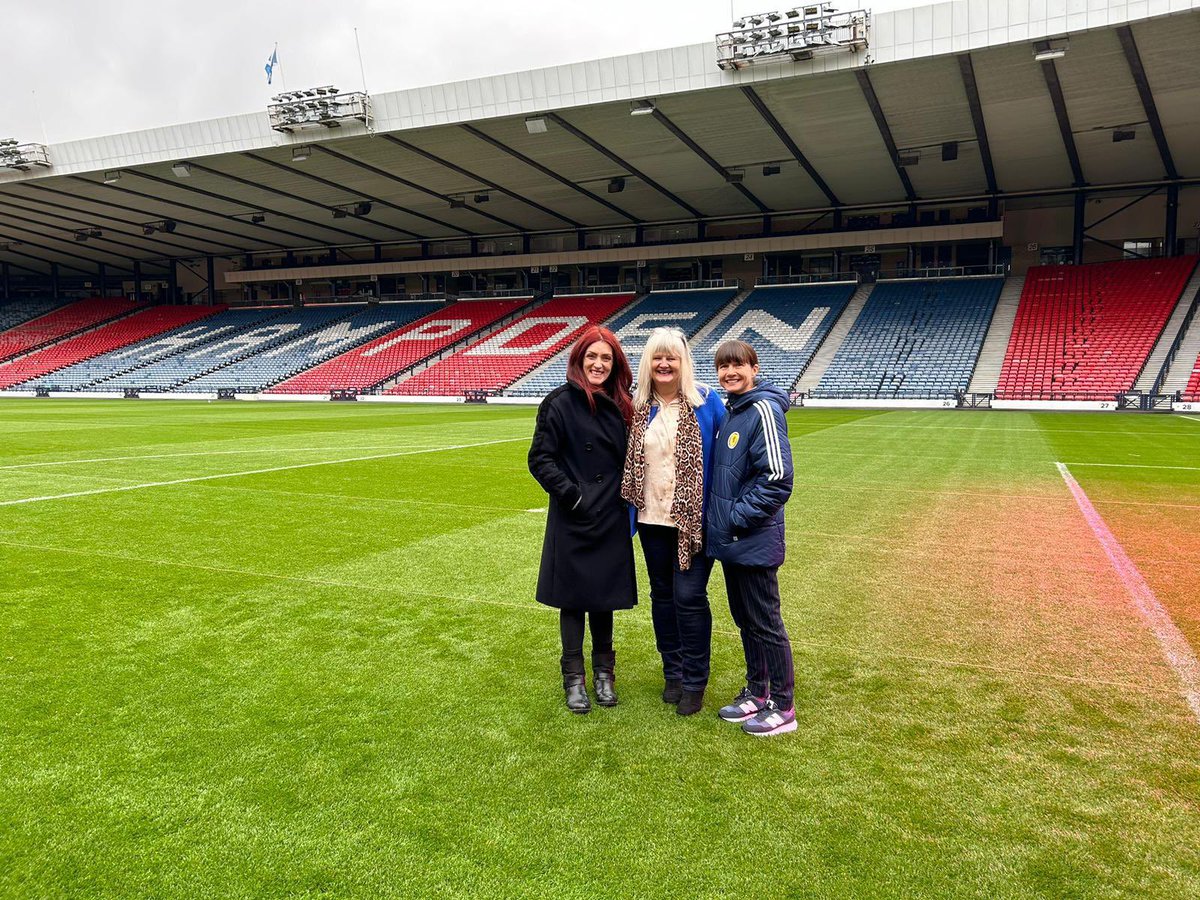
(754, 603)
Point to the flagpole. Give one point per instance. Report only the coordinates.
(279, 65)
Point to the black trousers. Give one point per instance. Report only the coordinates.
(571, 628)
(678, 607)
(754, 602)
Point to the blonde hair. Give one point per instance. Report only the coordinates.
(671, 341)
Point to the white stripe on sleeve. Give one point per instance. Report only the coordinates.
(771, 437)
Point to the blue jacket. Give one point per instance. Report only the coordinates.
(709, 417)
(751, 480)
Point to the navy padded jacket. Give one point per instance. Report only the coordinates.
(751, 480)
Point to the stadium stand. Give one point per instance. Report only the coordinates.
(914, 339)
(1085, 332)
(252, 331)
(688, 310)
(142, 324)
(378, 360)
(784, 323)
(18, 312)
(255, 373)
(62, 323)
(103, 373)
(500, 359)
(1192, 391)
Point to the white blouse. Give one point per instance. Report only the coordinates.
(660, 466)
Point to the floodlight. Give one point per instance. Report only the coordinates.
(739, 23)
(735, 176)
(535, 125)
(258, 218)
(182, 169)
(301, 153)
(81, 236)
(362, 208)
(907, 160)
(147, 229)
(949, 151)
(1045, 51)
(616, 185)
(339, 212)
(482, 197)
(771, 169)
(1123, 134)
(112, 177)
(458, 202)
(641, 107)
(168, 225)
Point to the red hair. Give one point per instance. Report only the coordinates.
(616, 387)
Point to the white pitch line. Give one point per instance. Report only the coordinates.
(1174, 645)
(326, 462)
(105, 459)
(1131, 466)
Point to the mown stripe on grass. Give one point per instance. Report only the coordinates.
(308, 465)
(1174, 645)
(877, 654)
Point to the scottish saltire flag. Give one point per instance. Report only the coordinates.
(272, 63)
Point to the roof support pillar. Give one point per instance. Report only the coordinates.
(172, 281)
(1078, 228)
(4, 284)
(100, 276)
(54, 280)
(210, 265)
(137, 282)
(1171, 230)
(379, 253)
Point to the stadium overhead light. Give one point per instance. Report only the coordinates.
(535, 125)
(908, 159)
(339, 212)
(148, 229)
(1045, 51)
(616, 185)
(301, 153)
(641, 107)
(735, 176)
(258, 218)
(771, 169)
(362, 208)
(182, 169)
(166, 225)
(1123, 134)
(22, 157)
(82, 234)
(322, 107)
(457, 202)
(482, 197)
(949, 151)
(112, 177)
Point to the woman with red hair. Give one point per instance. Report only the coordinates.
(577, 455)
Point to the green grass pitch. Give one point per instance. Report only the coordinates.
(269, 650)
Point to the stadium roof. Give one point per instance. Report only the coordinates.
(849, 129)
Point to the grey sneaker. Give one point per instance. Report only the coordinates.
(744, 706)
(771, 720)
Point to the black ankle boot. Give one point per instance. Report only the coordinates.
(575, 684)
(603, 678)
(690, 703)
(672, 691)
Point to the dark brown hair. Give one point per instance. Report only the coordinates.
(739, 353)
(619, 380)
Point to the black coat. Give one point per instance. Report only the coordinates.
(587, 555)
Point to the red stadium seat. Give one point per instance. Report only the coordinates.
(1084, 332)
(61, 323)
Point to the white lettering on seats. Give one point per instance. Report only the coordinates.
(778, 332)
(433, 330)
(636, 331)
(557, 326)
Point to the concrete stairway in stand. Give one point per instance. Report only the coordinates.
(995, 344)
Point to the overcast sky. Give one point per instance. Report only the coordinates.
(75, 70)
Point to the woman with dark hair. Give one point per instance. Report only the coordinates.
(577, 454)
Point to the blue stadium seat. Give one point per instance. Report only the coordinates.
(785, 324)
(914, 339)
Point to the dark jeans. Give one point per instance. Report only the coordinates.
(754, 602)
(678, 607)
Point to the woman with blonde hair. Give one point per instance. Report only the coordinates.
(675, 423)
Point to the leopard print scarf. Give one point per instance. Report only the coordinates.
(687, 505)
